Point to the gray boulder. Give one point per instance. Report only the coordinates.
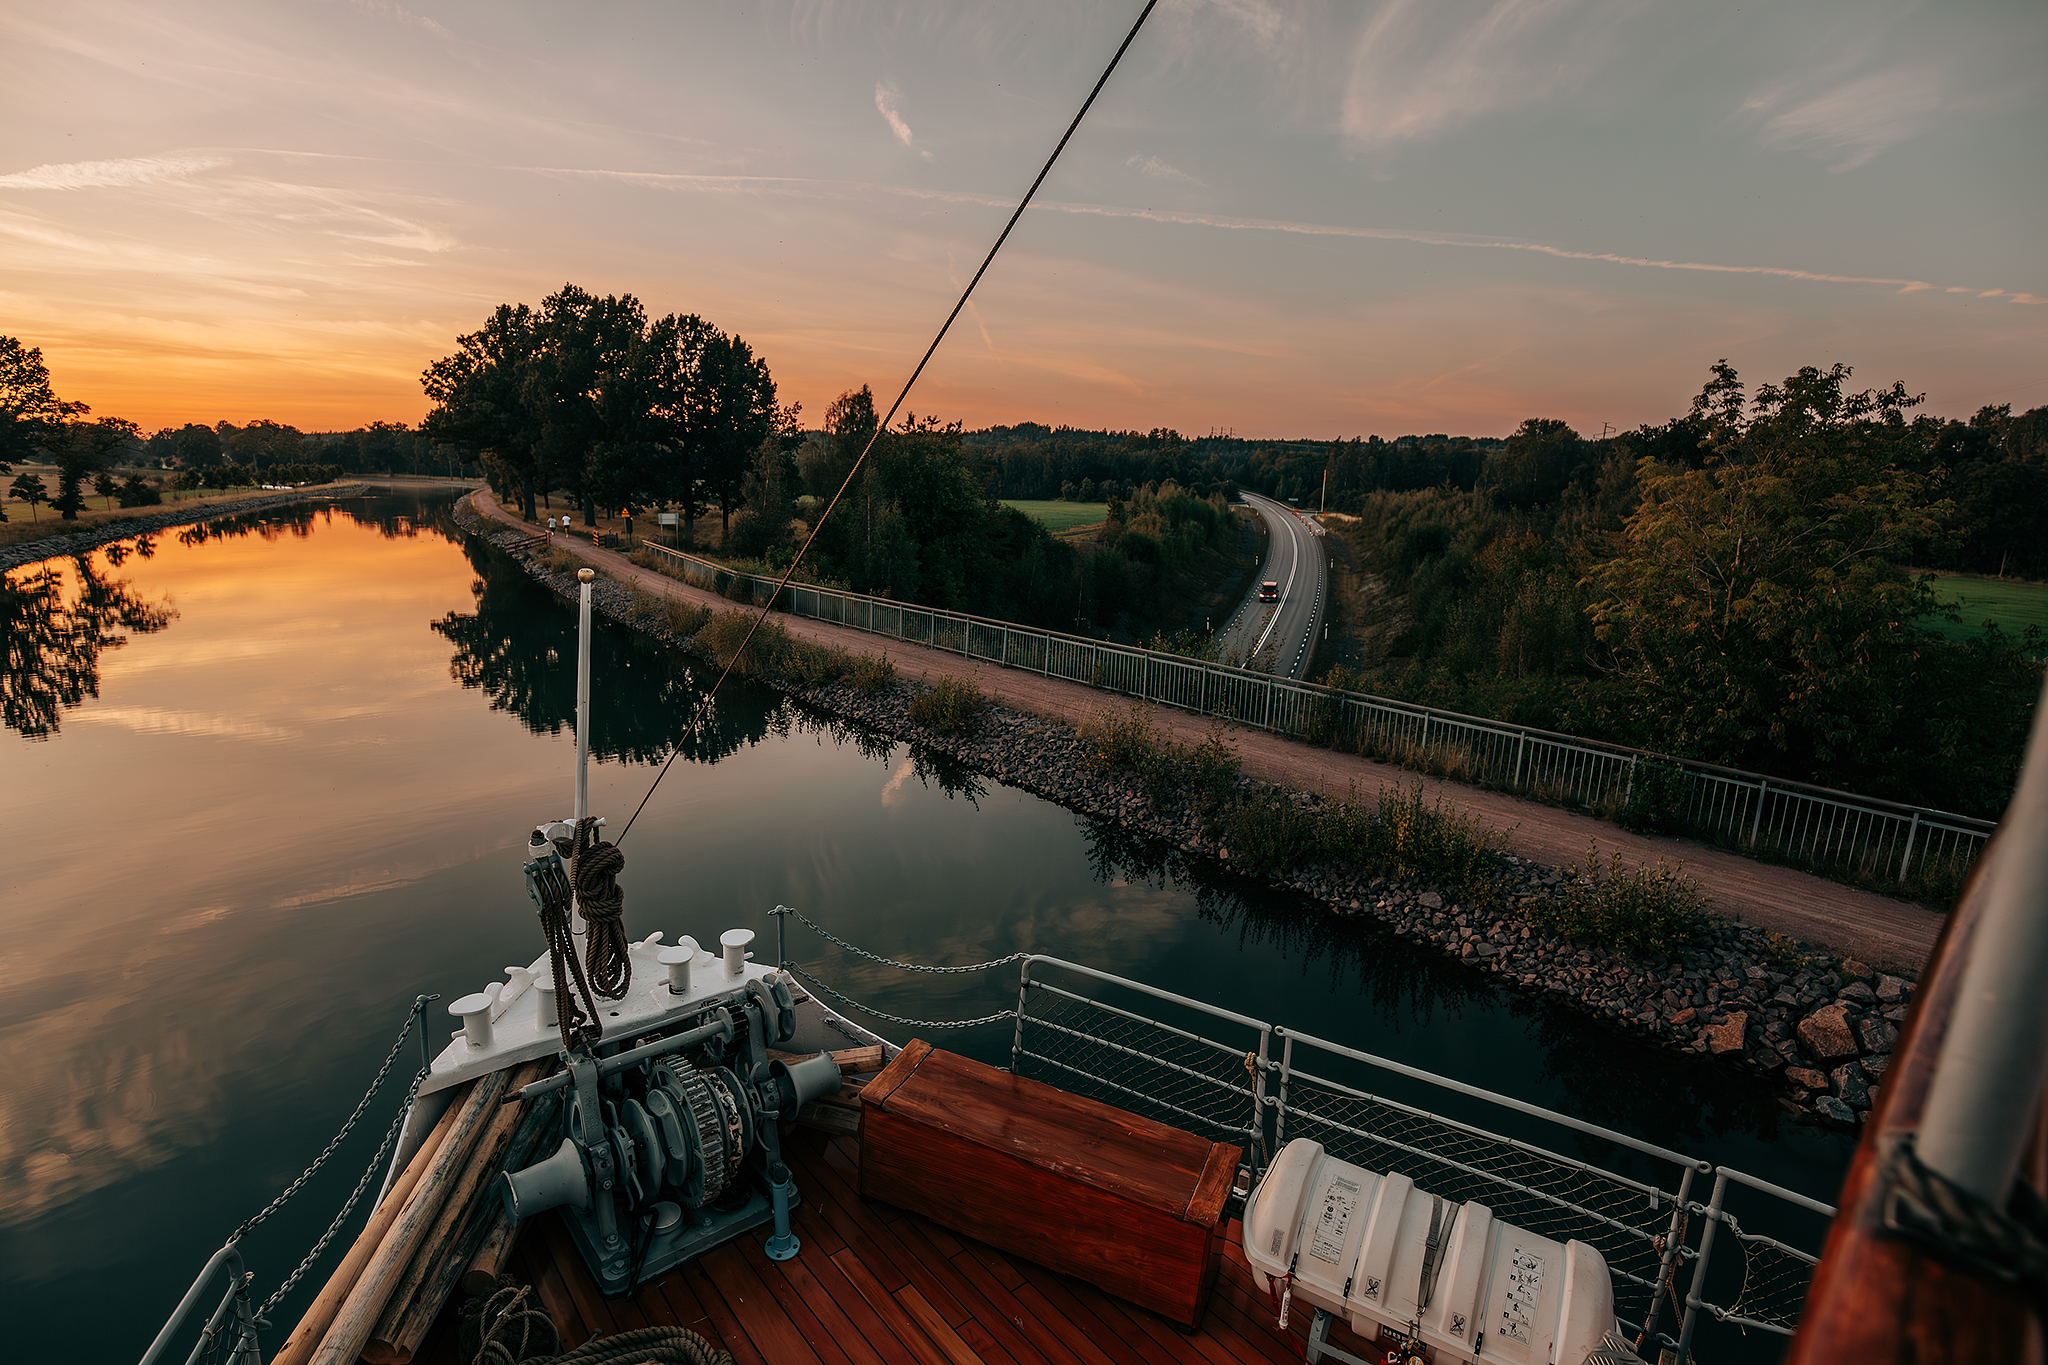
(1828, 1107)
(1877, 1035)
(1850, 1087)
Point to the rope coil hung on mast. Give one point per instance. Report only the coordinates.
(594, 867)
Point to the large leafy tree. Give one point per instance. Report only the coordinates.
(1758, 611)
(481, 405)
(732, 412)
(30, 412)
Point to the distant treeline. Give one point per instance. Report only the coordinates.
(379, 448)
(1734, 585)
(1030, 460)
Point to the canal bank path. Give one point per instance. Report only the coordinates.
(1879, 929)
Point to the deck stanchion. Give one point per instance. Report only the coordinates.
(1698, 1281)
(1664, 1271)
(1017, 1037)
(1280, 1106)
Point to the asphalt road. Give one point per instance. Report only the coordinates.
(1278, 638)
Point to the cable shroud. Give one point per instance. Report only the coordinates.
(883, 426)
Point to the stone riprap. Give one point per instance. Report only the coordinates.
(1822, 1026)
(107, 532)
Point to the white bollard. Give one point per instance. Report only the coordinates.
(735, 942)
(678, 960)
(544, 996)
(475, 1013)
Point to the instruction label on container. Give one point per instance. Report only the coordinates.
(1340, 1197)
(1525, 1287)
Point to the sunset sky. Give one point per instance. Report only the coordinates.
(1282, 219)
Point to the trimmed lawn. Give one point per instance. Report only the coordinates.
(1060, 517)
(2014, 606)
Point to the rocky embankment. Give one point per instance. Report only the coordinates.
(1822, 1026)
(107, 532)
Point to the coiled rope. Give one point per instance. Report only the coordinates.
(500, 1329)
(551, 894)
(594, 867)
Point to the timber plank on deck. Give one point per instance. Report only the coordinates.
(875, 1285)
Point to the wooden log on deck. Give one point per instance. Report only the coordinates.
(365, 1303)
(480, 1277)
(853, 1061)
(430, 1277)
(298, 1347)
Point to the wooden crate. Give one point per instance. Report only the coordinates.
(1131, 1206)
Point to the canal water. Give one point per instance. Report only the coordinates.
(271, 778)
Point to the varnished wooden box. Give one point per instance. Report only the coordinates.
(1132, 1206)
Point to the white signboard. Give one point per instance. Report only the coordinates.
(667, 518)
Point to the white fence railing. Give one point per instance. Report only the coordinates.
(1833, 831)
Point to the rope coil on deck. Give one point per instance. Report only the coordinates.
(501, 1329)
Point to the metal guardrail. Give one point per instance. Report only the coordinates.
(1229, 1077)
(1832, 831)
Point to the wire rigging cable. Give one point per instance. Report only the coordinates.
(883, 426)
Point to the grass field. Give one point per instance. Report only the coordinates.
(1061, 516)
(2014, 606)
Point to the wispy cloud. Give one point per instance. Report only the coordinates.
(885, 103)
(790, 185)
(118, 174)
(1159, 170)
(384, 9)
(1853, 121)
(1422, 66)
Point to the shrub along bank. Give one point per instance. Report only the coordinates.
(1634, 946)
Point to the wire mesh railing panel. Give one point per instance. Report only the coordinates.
(1775, 1278)
(1547, 1194)
(1136, 1064)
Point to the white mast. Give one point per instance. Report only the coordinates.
(583, 577)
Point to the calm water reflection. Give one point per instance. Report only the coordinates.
(299, 795)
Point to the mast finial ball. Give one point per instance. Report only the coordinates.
(585, 575)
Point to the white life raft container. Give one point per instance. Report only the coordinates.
(1374, 1250)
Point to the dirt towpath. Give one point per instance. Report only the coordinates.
(1880, 929)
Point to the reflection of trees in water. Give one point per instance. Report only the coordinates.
(1604, 1077)
(930, 767)
(519, 648)
(1678, 1102)
(1406, 983)
(396, 516)
(54, 637)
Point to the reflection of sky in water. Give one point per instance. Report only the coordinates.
(281, 819)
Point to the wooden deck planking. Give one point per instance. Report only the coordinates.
(877, 1286)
